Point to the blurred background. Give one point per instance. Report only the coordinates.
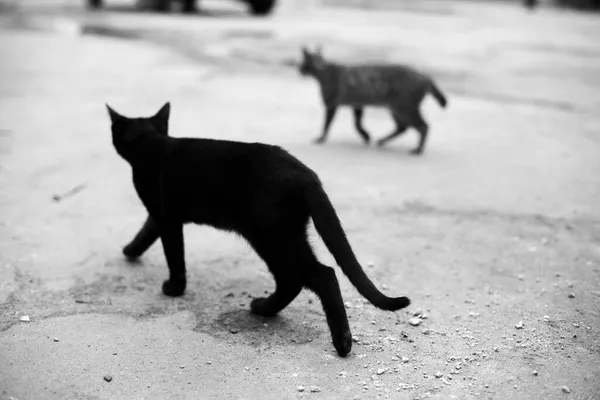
(493, 233)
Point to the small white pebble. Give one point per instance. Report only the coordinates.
(56, 339)
(381, 371)
(438, 374)
(416, 321)
(405, 359)
(300, 388)
(535, 373)
(315, 389)
(571, 295)
(520, 325)
(521, 277)
(566, 389)
(24, 318)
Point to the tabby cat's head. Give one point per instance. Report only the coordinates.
(126, 131)
(312, 62)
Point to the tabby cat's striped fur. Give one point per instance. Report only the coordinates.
(397, 87)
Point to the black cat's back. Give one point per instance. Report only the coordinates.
(232, 179)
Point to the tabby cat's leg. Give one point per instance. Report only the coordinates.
(324, 283)
(358, 114)
(423, 129)
(145, 238)
(171, 234)
(329, 114)
(401, 128)
(189, 6)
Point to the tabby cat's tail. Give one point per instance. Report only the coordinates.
(437, 93)
(330, 229)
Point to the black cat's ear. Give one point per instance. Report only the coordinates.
(161, 119)
(114, 116)
(164, 112)
(305, 52)
(318, 50)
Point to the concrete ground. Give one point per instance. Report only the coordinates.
(493, 233)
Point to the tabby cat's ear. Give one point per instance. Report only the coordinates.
(114, 116)
(161, 119)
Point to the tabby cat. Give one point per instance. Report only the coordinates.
(397, 87)
(260, 192)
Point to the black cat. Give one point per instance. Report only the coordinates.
(260, 192)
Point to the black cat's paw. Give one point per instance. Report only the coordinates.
(174, 287)
(380, 143)
(416, 152)
(319, 140)
(131, 253)
(343, 343)
(258, 307)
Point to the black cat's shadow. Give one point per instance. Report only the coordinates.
(240, 325)
(231, 319)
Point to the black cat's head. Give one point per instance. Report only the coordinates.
(127, 131)
(312, 62)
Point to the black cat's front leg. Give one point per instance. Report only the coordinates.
(329, 114)
(171, 235)
(145, 238)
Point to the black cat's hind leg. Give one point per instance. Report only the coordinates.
(142, 241)
(401, 128)
(421, 126)
(329, 114)
(171, 234)
(323, 282)
(358, 116)
(284, 258)
(285, 292)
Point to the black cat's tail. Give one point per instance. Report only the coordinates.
(437, 93)
(330, 229)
